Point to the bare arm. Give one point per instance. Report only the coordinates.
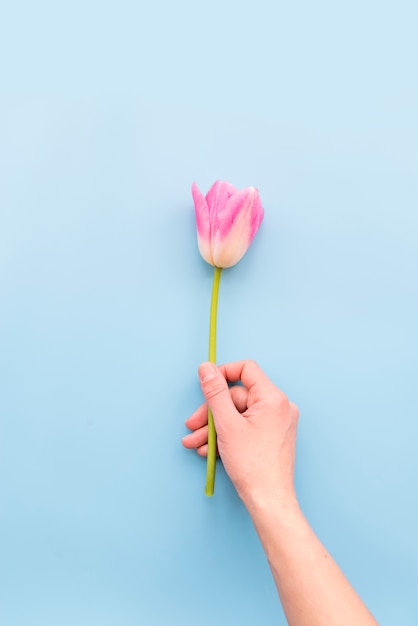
(312, 588)
(256, 427)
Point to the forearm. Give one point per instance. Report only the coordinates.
(312, 588)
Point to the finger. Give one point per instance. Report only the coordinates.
(199, 418)
(239, 397)
(196, 439)
(248, 372)
(217, 393)
(203, 450)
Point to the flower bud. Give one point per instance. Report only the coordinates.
(226, 220)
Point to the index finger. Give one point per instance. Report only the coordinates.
(248, 372)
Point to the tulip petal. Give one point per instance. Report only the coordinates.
(235, 226)
(217, 196)
(203, 224)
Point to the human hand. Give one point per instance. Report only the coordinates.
(255, 424)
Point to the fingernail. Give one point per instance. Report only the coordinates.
(207, 371)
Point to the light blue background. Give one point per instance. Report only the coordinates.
(108, 112)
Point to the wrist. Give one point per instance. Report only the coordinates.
(258, 503)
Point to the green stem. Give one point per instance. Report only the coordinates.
(211, 459)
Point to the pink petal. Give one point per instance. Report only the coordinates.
(218, 195)
(235, 226)
(203, 224)
(202, 212)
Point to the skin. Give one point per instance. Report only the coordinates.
(256, 426)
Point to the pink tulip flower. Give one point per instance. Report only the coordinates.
(226, 220)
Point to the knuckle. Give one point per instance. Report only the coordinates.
(281, 399)
(295, 410)
(284, 405)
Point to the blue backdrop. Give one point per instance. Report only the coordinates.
(108, 112)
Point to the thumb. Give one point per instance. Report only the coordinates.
(216, 391)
